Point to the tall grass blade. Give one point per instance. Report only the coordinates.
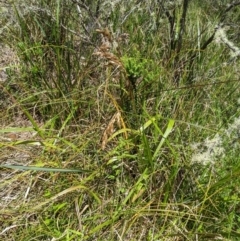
(44, 169)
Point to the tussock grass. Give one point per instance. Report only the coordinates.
(119, 121)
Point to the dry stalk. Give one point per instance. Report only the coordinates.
(110, 128)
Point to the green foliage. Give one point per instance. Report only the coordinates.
(138, 67)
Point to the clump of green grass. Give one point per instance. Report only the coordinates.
(113, 101)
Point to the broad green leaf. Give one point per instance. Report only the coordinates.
(165, 135)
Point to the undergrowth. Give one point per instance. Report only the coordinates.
(119, 121)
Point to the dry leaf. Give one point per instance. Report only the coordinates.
(110, 128)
